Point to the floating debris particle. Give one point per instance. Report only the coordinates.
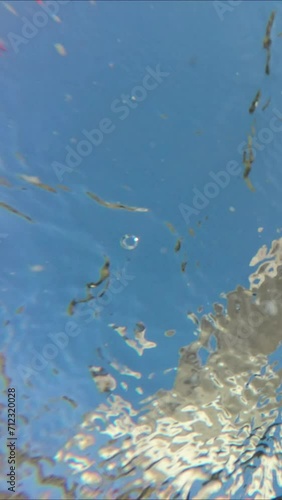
(60, 49)
(20, 310)
(255, 102)
(139, 390)
(63, 188)
(20, 157)
(178, 245)
(170, 227)
(104, 275)
(10, 8)
(36, 182)
(70, 401)
(265, 106)
(99, 352)
(169, 370)
(129, 241)
(103, 380)
(5, 182)
(125, 370)
(192, 316)
(124, 385)
(36, 268)
(232, 209)
(267, 41)
(121, 330)
(183, 266)
(71, 306)
(118, 206)
(191, 231)
(260, 229)
(57, 19)
(170, 333)
(15, 211)
(248, 159)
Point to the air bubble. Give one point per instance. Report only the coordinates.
(129, 241)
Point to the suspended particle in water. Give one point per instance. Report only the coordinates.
(129, 241)
(170, 333)
(60, 49)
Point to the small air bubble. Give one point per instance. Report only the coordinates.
(129, 242)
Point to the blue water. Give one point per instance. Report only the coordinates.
(192, 123)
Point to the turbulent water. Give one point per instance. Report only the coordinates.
(216, 434)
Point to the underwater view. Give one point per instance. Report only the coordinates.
(141, 250)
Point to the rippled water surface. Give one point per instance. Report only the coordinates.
(141, 249)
